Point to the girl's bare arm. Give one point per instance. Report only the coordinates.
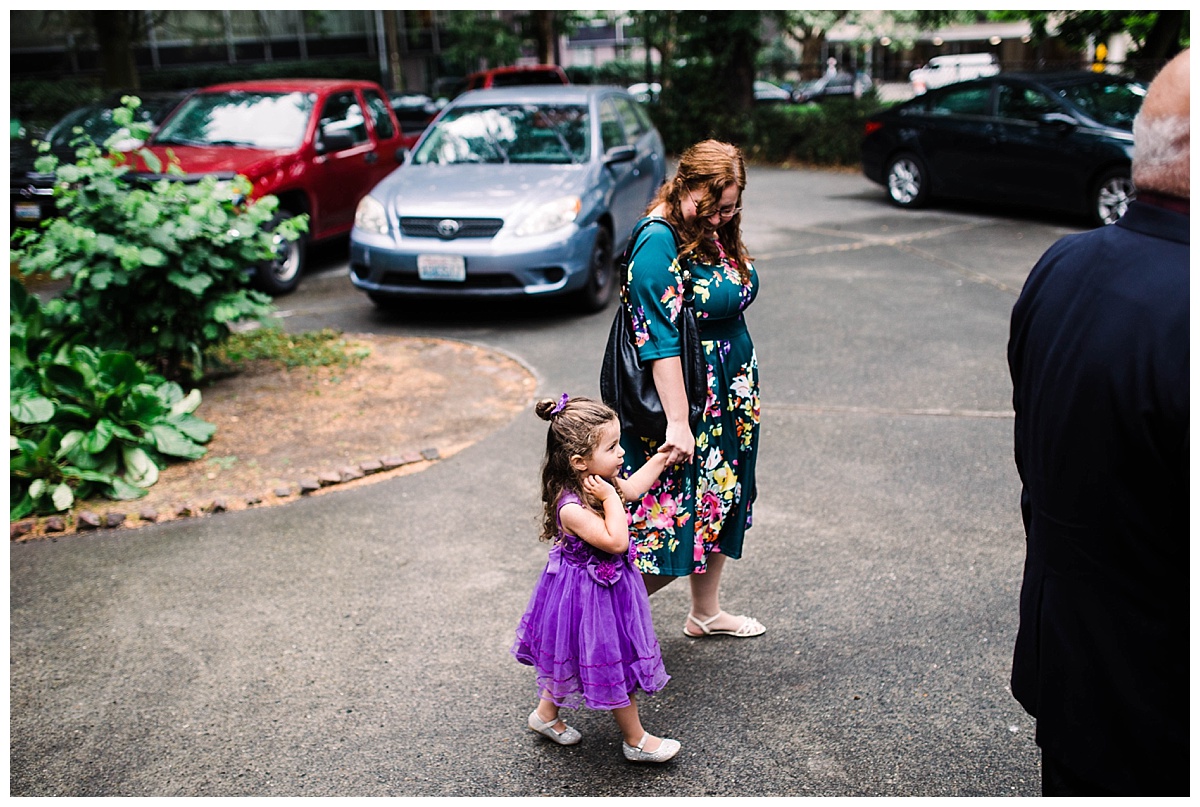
(641, 480)
(608, 533)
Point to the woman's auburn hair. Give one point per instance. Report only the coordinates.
(707, 169)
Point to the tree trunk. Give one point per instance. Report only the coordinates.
(543, 24)
(1161, 43)
(116, 33)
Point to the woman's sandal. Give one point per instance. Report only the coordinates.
(749, 627)
(568, 736)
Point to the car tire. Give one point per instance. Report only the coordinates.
(281, 274)
(1110, 195)
(601, 276)
(907, 180)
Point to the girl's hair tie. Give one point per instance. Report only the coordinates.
(561, 405)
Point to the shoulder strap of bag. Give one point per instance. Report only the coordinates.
(627, 255)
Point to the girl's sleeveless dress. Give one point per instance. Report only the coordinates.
(587, 630)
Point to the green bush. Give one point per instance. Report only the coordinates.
(85, 422)
(160, 271)
(826, 133)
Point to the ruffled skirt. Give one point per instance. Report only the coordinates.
(590, 637)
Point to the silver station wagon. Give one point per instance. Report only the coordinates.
(511, 192)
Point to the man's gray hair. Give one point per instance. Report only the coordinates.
(1162, 154)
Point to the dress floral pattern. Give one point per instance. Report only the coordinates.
(705, 506)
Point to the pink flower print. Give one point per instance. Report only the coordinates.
(708, 507)
(658, 511)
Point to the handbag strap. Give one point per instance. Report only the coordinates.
(688, 295)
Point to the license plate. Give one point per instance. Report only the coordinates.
(27, 211)
(452, 268)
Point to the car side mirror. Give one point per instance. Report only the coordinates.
(619, 154)
(330, 142)
(1057, 119)
(401, 155)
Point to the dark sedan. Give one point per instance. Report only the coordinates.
(1059, 141)
(32, 192)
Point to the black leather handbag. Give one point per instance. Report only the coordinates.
(626, 384)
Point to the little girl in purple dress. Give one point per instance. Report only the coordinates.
(587, 630)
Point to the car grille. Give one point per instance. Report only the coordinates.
(441, 228)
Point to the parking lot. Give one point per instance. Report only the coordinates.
(356, 644)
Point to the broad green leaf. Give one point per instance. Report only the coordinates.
(69, 443)
(140, 469)
(122, 491)
(62, 497)
(187, 404)
(174, 443)
(196, 284)
(32, 409)
(98, 439)
(199, 430)
(151, 256)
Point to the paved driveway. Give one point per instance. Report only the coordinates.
(357, 644)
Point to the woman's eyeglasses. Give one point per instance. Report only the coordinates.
(723, 212)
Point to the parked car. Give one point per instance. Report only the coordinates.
(836, 85)
(766, 92)
(951, 69)
(645, 92)
(1062, 141)
(414, 111)
(317, 144)
(516, 77)
(511, 193)
(31, 191)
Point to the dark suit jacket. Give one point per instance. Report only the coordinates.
(1099, 353)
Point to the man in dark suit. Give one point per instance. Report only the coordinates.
(1098, 352)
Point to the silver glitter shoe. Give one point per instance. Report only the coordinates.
(667, 749)
(567, 736)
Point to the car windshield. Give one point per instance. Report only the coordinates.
(1112, 104)
(96, 121)
(518, 133)
(260, 120)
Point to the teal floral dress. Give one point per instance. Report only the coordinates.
(704, 506)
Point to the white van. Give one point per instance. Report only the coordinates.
(942, 70)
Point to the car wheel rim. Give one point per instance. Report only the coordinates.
(1113, 199)
(286, 262)
(904, 181)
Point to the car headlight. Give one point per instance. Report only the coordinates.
(551, 216)
(371, 217)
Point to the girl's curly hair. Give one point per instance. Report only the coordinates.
(574, 429)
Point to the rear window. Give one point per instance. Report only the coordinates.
(526, 77)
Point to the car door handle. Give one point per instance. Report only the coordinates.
(371, 157)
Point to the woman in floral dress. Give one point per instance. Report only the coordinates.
(697, 514)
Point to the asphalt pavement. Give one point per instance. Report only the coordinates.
(356, 644)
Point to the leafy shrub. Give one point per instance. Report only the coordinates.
(827, 133)
(84, 422)
(159, 271)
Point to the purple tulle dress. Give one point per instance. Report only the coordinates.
(587, 630)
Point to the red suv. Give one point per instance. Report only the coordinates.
(318, 145)
(516, 76)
